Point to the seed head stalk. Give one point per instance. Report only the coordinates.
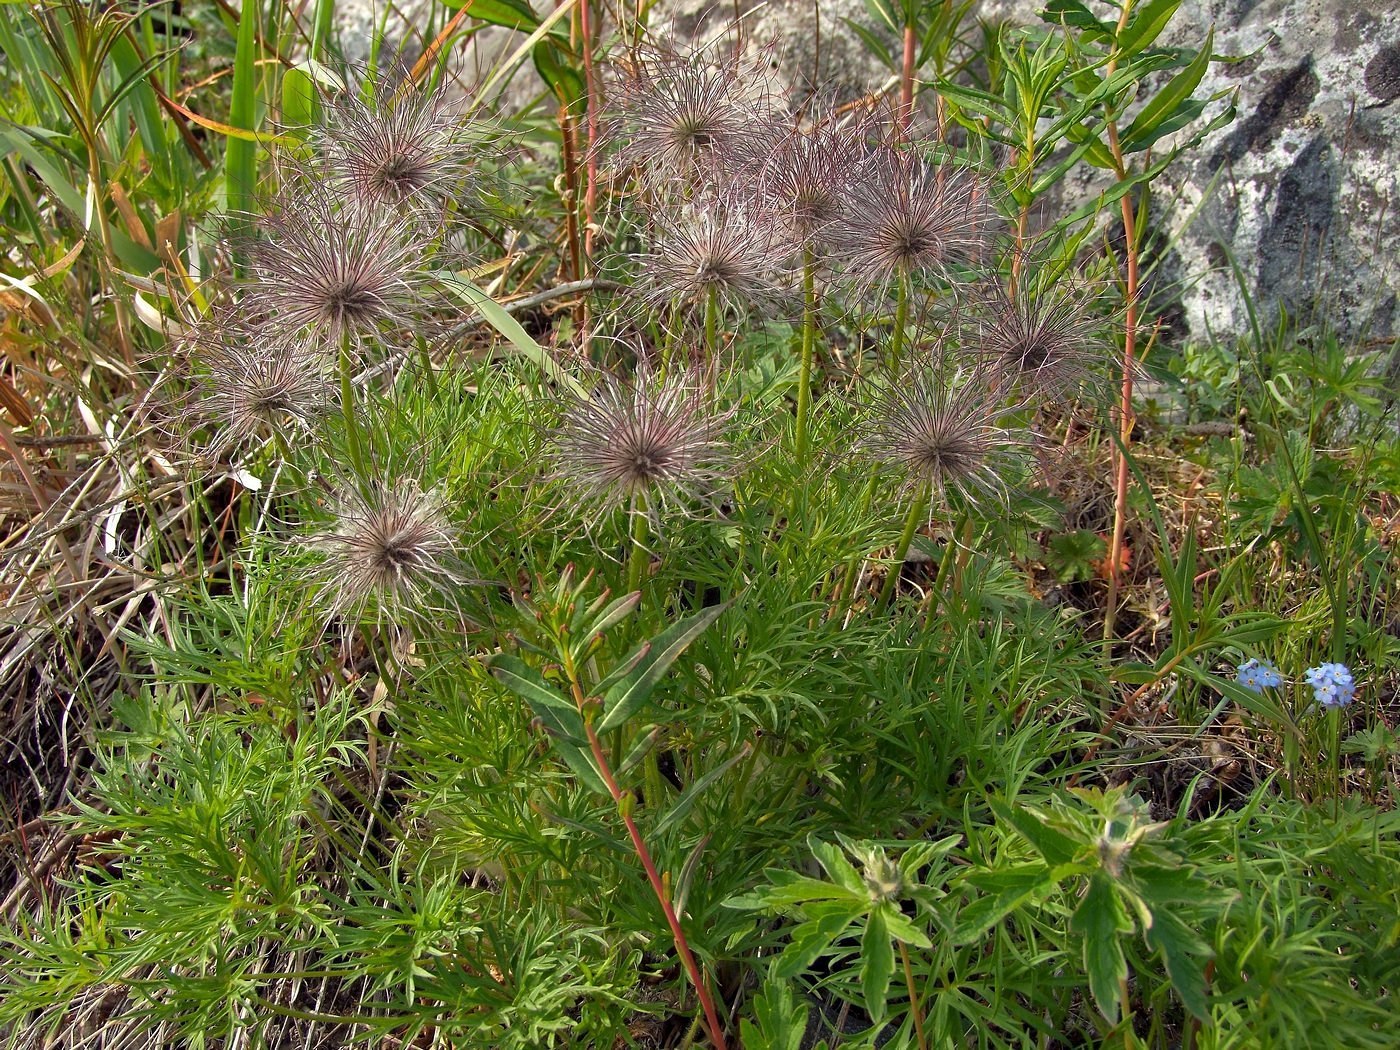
(640, 555)
(712, 338)
(917, 512)
(624, 801)
(347, 408)
(901, 317)
(809, 336)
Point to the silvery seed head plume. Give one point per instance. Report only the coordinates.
(906, 215)
(407, 150)
(1053, 339)
(323, 271)
(252, 388)
(943, 425)
(712, 246)
(642, 443)
(389, 547)
(803, 178)
(677, 112)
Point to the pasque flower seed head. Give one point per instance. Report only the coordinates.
(322, 271)
(639, 442)
(712, 246)
(677, 112)
(407, 150)
(253, 388)
(906, 215)
(390, 546)
(1052, 338)
(943, 426)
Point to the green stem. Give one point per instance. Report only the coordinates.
(809, 336)
(915, 1007)
(347, 410)
(637, 560)
(712, 338)
(901, 319)
(917, 510)
(848, 583)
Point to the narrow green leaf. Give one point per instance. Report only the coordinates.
(1146, 25)
(513, 14)
(1074, 13)
(623, 698)
(1100, 919)
(510, 328)
(873, 44)
(1178, 89)
(641, 747)
(686, 802)
(241, 158)
(559, 715)
(876, 965)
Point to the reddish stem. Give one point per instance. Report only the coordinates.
(658, 887)
(906, 80)
(1125, 404)
(590, 193)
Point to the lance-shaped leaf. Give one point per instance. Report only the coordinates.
(624, 694)
(560, 717)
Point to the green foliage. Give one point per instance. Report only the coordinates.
(629, 762)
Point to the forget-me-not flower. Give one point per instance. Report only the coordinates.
(1258, 675)
(1332, 684)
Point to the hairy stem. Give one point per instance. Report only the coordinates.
(901, 319)
(915, 1007)
(640, 555)
(917, 510)
(353, 444)
(809, 337)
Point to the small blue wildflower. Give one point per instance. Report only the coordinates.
(1332, 684)
(1258, 675)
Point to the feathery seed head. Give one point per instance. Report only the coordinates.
(677, 112)
(1052, 338)
(717, 247)
(254, 389)
(640, 442)
(943, 426)
(389, 546)
(407, 150)
(324, 271)
(905, 215)
(804, 177)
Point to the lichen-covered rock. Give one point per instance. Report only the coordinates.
(1301, 191)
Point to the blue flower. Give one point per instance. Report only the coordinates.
(1332, 684)
(1258, 675)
